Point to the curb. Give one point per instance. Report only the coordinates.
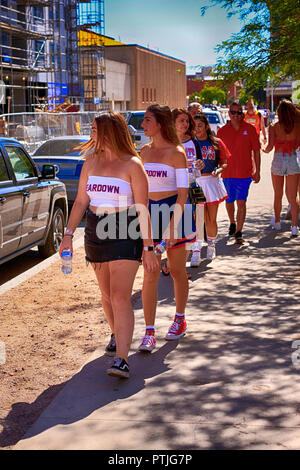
(36, 269)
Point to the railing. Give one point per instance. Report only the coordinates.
(32, 129)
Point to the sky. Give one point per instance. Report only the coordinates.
(173, 27)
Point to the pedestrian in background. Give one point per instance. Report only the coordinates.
(194, 108)
(185, 128)
(242, 140)
(214, 155)
(112, 181)
(166, 165)
(254, 117)
(284, 136)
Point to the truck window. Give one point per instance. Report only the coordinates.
(4, 176)
(59, 148)
(136, 121)
(20, 163)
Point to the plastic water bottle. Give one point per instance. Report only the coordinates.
(66, 259)
(160, 248)
(196, 171)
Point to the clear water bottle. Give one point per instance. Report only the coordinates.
(196, 171)
(160, 248)
(66, 260)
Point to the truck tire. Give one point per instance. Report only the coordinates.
(55, 234)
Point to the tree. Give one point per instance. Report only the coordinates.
(267, 48)
(210, 94)
(194, 97)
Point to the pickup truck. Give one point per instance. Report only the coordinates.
(33, 205)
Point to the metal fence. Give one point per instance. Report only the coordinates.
(32, 129)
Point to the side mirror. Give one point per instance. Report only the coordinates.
(132, 130)
(48, 172)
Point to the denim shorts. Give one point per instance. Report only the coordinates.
(237, 189)
(284, 164)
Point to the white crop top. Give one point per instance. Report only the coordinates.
(105, 191)
(164, 178)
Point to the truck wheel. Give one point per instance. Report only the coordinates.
(55, 234)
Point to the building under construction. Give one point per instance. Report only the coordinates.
(42, 65)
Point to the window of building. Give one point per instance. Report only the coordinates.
(143, 95)
(151, 94)
(154, 94)
(38, 13)
(147, 95)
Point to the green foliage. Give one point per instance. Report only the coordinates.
(195, 97)
(209, 94)
(266, 48)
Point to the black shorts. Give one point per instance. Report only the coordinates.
(110, 237)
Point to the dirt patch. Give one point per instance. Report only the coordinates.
(49, 325)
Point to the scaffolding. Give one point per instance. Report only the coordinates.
(41, 63)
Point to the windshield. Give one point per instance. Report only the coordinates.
(136, 121)
(213, 118)
(60, 148)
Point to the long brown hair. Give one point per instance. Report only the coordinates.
(163, 116)
(210, 136)
(177, 111)
(287, 115)
(112, 130)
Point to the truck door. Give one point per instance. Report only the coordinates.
(11, 202)
(35, 210)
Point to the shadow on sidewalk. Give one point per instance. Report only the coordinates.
(87, 391)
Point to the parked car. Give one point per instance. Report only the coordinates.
(63, 154)
(215, 118)
(33, 205)
(134, 120)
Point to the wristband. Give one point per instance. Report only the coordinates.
(148, 248)
(69, 232)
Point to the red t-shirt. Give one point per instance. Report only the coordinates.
(224, 152)
(240, 143)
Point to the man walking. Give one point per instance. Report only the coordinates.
(241, 139)
(256, 119)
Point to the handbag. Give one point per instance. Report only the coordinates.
(196, 194)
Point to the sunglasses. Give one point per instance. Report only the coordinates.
(237, 112)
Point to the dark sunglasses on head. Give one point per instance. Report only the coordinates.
(237, 112)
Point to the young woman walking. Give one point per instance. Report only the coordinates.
(113, 188)
(166, 165)
(214, 155)
(284, 135)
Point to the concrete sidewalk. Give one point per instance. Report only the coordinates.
(230, 383)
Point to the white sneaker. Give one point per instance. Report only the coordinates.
(275, 225)
(196, 256)
(211, 252)
(295, 231)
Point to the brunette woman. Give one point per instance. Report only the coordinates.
(185, 128)
(284, 135)
(214, 155)
(166, 165)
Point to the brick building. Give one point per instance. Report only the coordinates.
(154, 77)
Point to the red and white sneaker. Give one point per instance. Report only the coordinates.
(177, 329)
(148, 343)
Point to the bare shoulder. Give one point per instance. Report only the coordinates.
(145, 150)
(179, 157)
(135, 166)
